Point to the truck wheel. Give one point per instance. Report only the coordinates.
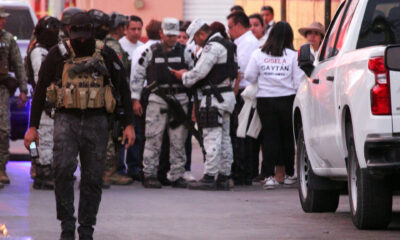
(312, 200)
(370, 197)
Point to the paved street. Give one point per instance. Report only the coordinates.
(133, 212)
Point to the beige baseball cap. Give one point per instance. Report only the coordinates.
(194, 27)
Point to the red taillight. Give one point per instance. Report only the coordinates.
(380, 93)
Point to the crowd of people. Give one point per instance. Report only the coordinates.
(128, 110)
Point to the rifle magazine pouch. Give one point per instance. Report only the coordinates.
(110, 101)
(51, 93)
(82, 98)
(98, 97)
(69, 98)
(209, 117)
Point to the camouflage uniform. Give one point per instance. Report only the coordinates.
(217, 141)
(10, 57)
(113, 43)
(45, 131)
(157, 120)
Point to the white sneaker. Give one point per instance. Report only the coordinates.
(270, 183)
(289, 180)
(188, 176)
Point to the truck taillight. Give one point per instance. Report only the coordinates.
(380, 93)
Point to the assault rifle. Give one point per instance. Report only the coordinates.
(179, 115)
(93, 66)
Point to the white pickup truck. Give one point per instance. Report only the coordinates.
(346, 115)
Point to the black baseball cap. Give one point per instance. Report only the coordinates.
(81, 26)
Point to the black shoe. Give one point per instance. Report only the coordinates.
(67, 235)
(206, 183)
(238, 181)
(223, 182)
(41, 184)
(180, 183)
(85, 232)
(151, 182)
(164, 181)
(259, 178)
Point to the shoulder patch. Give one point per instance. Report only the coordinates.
(207, 48)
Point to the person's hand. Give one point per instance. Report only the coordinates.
(128, 135)
(30, 136)
(22, 100)
(194, 114)
(137, 108)
(178, 73)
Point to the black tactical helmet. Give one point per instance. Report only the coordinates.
(48, 23)
(99, 18)
(67, 14)
(117, 20)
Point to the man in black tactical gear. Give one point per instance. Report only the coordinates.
(80, 79)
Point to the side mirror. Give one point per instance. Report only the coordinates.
(392, 57)
(306, 60)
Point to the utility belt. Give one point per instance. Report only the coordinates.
(82, 98)
(173, 90)
(209, 116)
(79, 112)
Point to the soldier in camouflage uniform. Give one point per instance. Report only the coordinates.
(154, 66)
(116, 26)
(46, 34)
(216, 66)
(10, 58)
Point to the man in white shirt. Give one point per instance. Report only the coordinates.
(133, 32)
(246, 42)
(267, 13)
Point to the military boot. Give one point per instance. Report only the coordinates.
(223, 182)
(119, 179)
(3, 176)
(151, 182)
(67, 235)
(179, 183)
(44, 177)
(206, 183)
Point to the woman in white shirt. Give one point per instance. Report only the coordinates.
(275, 68)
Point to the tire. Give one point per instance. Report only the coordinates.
(370, 197)
(312, 200)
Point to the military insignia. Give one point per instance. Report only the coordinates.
(207, 48)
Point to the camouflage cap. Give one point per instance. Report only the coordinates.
(3, 13)
(170, 26)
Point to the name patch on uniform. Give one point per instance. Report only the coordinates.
(159, 60)
(175, 60)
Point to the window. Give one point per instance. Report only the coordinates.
(381, 24)
(19, 23)
(329, 41)
(346, 24)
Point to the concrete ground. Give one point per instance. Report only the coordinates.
(132, 212)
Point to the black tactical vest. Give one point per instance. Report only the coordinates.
(221, 71)
(157, 69)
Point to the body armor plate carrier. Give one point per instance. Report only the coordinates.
(83, 83)
(158, 69)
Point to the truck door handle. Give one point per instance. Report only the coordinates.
(315, 81)
(330, 78)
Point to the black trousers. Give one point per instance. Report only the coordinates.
(278, 143)
(245, 150)
(84, 133)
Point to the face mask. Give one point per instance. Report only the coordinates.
(101, 33)
(85, 48)
(48, 38)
